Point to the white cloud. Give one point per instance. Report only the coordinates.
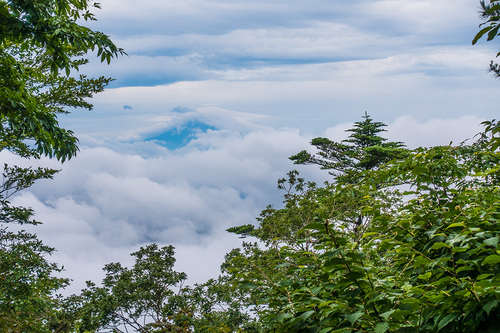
(423, 16)
(106, 203)
(434, 131)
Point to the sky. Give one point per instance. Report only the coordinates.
(215, 95)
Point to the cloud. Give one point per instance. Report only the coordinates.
(106, 202)
(194, 122)
(446, 83)
(171, 42)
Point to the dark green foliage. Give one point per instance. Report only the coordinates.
(428, 261)
(27, 283)
(140, 297)
(219, 307)
(32, 99)
(37, 39)
(490, 14)
(363, 150)
(27, 290)
(52, 25)
(15, 179)
(243, 230)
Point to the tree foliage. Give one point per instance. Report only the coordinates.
(27, 303)
(490, 14)
(37, 39)
(427, 261)
(219, 307)
(139, 298)
(365, 149)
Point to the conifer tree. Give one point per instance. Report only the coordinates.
(364, 149)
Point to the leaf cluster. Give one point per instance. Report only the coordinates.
(140, 297)
(424, 257)
(490, 13)
(37, 40)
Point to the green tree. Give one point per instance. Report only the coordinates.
(490, 14)
(27, 302)
(139, 298)
(365, 149)
(217, 306)
(428, 261)
(37, 39)
(264, 270)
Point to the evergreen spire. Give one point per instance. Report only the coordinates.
(363, 150)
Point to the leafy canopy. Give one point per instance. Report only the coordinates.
(427, 260)
(37, 40)
(490, 13)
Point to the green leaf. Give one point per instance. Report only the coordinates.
(382, 327)
(493, 241)
(387, 314)
(493, 33)
(446, 320)
(354, 317)
(480, 34)
(438, 245)
(464, 268)
(315, 226)
(491, 260)
(306, 315)
(425, 276)
(483, 276)
(368, 234)
(281, 318)
(490, 306)
(334, 263)
(455, 225)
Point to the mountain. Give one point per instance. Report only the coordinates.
(181, 135)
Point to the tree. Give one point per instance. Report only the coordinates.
(265, 273)
(37, 40)
(27, 111)
(427, 261)
(26, 292)
(363, 150)
(217, 306)
(140, 297)
(490, 13)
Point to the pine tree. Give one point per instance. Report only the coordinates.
(363, 150)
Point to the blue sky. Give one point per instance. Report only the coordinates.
(242, 85)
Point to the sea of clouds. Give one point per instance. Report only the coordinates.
(117, 196)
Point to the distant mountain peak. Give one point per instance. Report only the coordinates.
(180, 136)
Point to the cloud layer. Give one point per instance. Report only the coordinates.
(108, 201)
